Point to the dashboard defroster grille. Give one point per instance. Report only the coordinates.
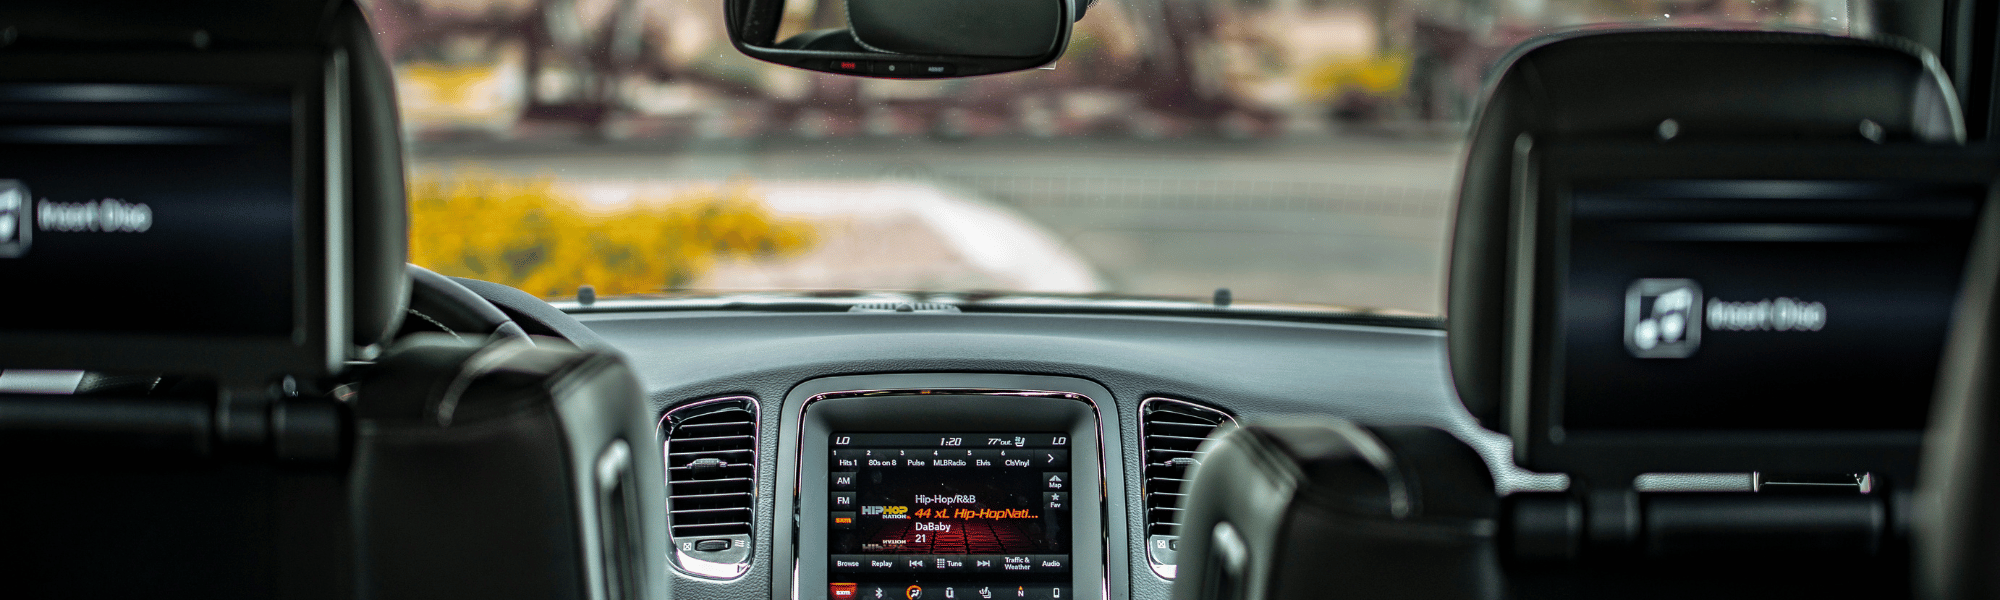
(1172, 432)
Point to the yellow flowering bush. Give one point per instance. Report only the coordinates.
(1381, 76)
(529, 233)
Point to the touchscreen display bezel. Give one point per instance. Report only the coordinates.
(974, 487)
(941, 403)
(1533, 351)
(318, 340)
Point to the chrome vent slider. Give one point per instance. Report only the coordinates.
(1171, 432)
(707, 467)
(710, 448)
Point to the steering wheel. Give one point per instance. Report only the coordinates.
(439, 304)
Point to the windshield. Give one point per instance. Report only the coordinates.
(1300, 152)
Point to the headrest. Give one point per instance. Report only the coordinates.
(1720, 86)
(375, 223)
(1278, 509)
(1955, 530)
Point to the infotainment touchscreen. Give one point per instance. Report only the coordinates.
(949, 515)
(148, 209)
(1767, 305)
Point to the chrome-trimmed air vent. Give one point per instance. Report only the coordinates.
(710, 448)
(1171, 432)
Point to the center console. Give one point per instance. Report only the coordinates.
(939, 486)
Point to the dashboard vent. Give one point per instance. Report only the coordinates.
(1171, 432)
(904, 307)
(711, 458)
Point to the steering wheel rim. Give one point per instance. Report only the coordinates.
(438, 303)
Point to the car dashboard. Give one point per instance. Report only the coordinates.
(934, 373)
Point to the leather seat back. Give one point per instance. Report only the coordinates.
(1955, 534)
(504, 469)
(1307, 508)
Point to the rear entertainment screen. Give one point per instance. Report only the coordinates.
(148, 209)
(951, 515)
(1768, 305)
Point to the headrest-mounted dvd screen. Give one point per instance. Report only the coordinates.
(167, 214)
(164, 209)
(1746, 308)
(1757, 305)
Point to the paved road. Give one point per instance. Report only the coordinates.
(1359, 222)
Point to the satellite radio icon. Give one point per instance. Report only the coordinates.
(1663, 318)
(16, 224)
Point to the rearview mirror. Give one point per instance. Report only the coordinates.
(912, 39)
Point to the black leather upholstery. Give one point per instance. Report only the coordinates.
(381, 211)
(475, 471)
(1623, 85)
(375, 160)
(1956, 530)
(1316, 508)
